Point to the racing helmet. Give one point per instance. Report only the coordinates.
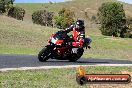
(80, 23)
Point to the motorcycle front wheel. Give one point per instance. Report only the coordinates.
(44, 54)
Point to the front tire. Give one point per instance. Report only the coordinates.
(44, 54)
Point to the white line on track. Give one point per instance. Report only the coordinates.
(51, 67)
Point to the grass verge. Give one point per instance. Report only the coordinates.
(57, 78)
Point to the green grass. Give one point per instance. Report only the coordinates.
(55, 78)
(18, 37)
(111, 48)
(22, 37)
(18, 50)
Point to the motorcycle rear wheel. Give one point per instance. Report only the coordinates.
(44, 54)
(75, 56)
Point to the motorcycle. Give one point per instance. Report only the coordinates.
(60, 48)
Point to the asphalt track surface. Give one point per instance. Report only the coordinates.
(17, 62)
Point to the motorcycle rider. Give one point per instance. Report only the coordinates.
(78, 34)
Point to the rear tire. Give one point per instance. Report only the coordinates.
(75, 56)
(44, 54)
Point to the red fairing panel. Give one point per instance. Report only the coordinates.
(59, 42)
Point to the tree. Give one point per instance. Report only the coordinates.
(5, 5)
(16, 12)
(112, 19)
(2, 6)
(65, 18)
(43, 17)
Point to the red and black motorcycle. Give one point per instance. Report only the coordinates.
(60, 48)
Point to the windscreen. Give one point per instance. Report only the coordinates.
(60, 35)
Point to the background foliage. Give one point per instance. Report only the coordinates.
(16, 12)
(43, 17)
(5, 5)
(113, 20)
(65, 18)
